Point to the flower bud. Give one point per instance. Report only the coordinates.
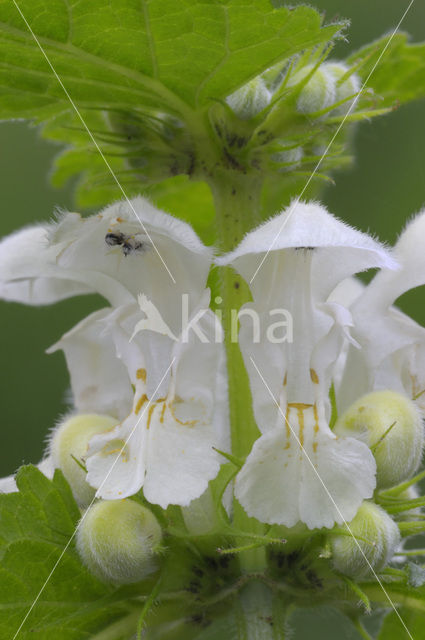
(117, 541)
(290, 159)
(391, 425)
(250, 99)
(376, 536)
(69, 444)
(350, 86)
(318, 93)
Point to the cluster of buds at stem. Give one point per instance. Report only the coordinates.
(391, 425)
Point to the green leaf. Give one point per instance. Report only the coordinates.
(399, 75)
(155, 52)
(392, 628)
(127, 63)
(36, 525)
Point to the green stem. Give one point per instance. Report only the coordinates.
(261, 614)
(237, 203)
(146, 608)
(360, 628)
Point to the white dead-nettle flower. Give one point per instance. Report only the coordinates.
(167, 391)
(178, 413)
(310, 253)
(392, 354)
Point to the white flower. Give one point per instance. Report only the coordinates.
(393, 345)
(46, 263)
(170, 395)
(177, 415)
(290, 381)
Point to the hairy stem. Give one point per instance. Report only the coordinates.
(261, 615)
(237, 202)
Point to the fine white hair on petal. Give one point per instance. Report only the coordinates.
(307, 224)
(151, 252)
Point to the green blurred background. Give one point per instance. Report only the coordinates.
(384, 188)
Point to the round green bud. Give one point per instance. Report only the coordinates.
(376, 537)
(250, 99)
(319, 91)
(343, 90)
(68, 446)
(117, 541)
(290, 159)
(391, 425)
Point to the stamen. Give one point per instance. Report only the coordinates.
(141, 374)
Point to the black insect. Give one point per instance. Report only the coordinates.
(128, 243)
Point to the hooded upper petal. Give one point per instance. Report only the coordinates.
(392, 343)
(151, 253)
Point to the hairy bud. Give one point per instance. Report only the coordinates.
(290, 159)
(391, 425)
(376, 536)
(69, 445)
(117, 541)
(319, 91)
(343, 90)
(250, 99)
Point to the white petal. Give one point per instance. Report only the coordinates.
(165, 259)
(99, 380)
(269, 481)
(347, 469)
(23, 261)
(278, 484)
(173, 461)
(388, 337)
(409, 251)
(340, 250)
(8, 485)
(170, 249)
(116, 459)
(347, 291)
(181, 461)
